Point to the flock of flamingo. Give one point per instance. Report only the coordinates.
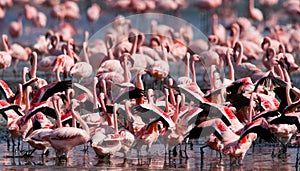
(120, 95)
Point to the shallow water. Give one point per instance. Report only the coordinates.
(257, 159)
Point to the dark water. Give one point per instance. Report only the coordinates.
(257, 159)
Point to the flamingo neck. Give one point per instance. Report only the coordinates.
(95, 98)
(4, 42)
(134, 45)
(139, 82)
(24, 75)
(193, 71)
(230, 68)
(86, 58)
(164, 53)
(214, 24)
(27, 100)
(236, 33)
(116, 129)
(167, 106)
(83, 124)
(20, 98)
(110, 54)
(241, 51)
(58, 114)
(126, 71)
(176, 113)
(187, 66)
(34, 66)
(58, 74)
(251, 5)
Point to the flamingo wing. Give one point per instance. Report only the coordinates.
(56, 87)
(291, 120)
(261, 131)
(14, 107)
(131, 93)
(24, 86)
(214, 110)
(267, 115)
(291, 108)
(44, 108)
(267, 80)
(5, 89)
(195, 97)
(148, 110)
(238, 100)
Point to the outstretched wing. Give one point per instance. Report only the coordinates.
(291, 120)
(44, 108)
(131, 93)
(267, 115)
(291, 108)
(147, 111)
(260, 127)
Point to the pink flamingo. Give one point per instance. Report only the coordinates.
(30, 12)
(81, 70)
(40, 82)
(218, 29)
(48, 90)
(192, 90)
(245, 69)
(207, 4)
(93, 12)
(254, 13)
(234, 145)
(186, 78)
(16, 27)
(40, 20)
(19, 53)
(5, 57)
(63, 139)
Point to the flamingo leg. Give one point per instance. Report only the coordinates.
(180, 151)
(185, 148)
(8, 144)
(15, 67)
(175, 151)
(201, 149)
(297, 158)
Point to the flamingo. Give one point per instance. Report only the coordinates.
(40, 82)
(175, 135)
(254, 13)
(17, 124)
(107, 140)
(207, 4)
(81, 70)
(48, 90)
(186, 78)
(5, 57)
(94, 119)
(93, 12)
(234, 145)
(40, 20)
(30, 12)
(245, 69)
(192, 90)
(218, 29)
(146, 134)
(16, 27)
(132, 91)
(18, 53)
(63, 139)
